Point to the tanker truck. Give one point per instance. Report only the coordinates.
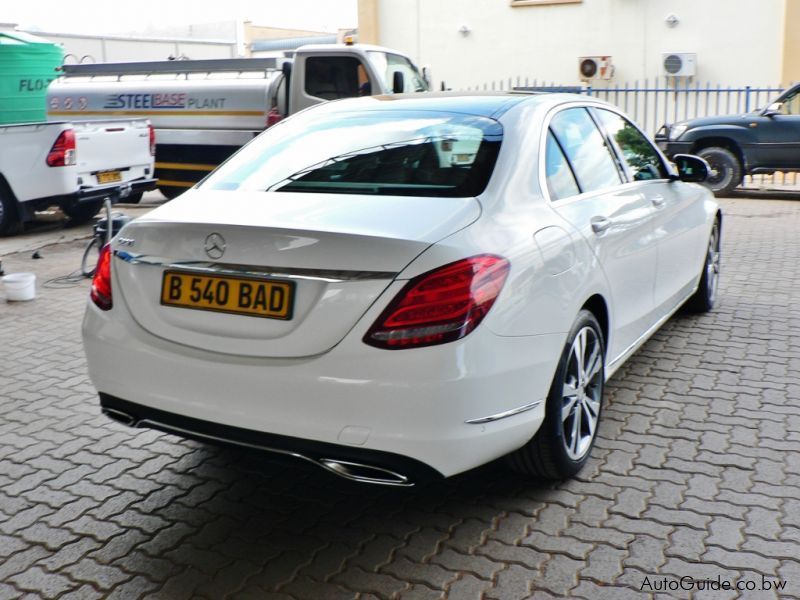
(205, 110)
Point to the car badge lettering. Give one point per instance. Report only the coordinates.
(215, 246)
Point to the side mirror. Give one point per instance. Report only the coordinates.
(286, 68)
(691, 168)
(398, 82)
(773, 109)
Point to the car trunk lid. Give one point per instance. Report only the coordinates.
(331, 255)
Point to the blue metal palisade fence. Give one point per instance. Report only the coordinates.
(653, 103)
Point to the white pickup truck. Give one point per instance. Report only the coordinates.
(72, 165)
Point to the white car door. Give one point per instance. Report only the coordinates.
(587, 186)
(679, 220)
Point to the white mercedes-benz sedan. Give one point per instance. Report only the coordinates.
(403, 288)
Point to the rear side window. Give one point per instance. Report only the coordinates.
(586, 150)
(642, 159)
(560, 180)
(378, 152)
(332, 77)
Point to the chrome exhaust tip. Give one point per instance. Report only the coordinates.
(365, 473)
(119, 416)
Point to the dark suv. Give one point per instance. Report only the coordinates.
(763, 141)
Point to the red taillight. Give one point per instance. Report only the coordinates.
(152, 140)
(101, 283)
(62, 154)
(273, 116)
(442, 305)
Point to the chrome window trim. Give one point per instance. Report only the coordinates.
(588, 104)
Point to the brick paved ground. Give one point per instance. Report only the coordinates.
(696, 472)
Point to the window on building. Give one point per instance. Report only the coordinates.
(537, 2)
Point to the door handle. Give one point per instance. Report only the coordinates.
(658, 201)
(600, 224)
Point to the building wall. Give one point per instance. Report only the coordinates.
(791, 43)
(737, 42)
(260, 32)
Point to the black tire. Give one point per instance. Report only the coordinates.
(725, 174)
(170, 192)
(81, 212)
(90, 256)
(134, 198)
(10, 222)
(554, 452)
(705, 297)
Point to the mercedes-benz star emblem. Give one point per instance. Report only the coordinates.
(215, 246)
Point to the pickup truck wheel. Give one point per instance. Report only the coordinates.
(134, 198)
(170, 192)
(726, 172)
(80, 212)
(562, 444)
(9, 217)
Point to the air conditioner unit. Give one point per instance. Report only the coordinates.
(679, 64)
(595, 67)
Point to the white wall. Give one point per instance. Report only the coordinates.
(738, 42)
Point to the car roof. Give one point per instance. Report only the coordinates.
(484, 104)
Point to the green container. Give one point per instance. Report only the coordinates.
(27, 66)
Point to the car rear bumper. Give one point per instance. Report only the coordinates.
(117, 191)
(358, 464)
(403, 411)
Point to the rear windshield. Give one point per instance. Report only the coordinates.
(368, 152)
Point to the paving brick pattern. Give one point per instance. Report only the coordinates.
(696, 472)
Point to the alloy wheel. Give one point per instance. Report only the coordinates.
(582, 392)
(713, 264)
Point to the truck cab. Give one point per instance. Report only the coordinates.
(325, 72)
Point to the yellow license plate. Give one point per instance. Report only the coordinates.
(229, 294)
(109, 177)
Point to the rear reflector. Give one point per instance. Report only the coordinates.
(152, 133)
(442, 305)
(273, 116)
(101, 283)
(62, 154)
